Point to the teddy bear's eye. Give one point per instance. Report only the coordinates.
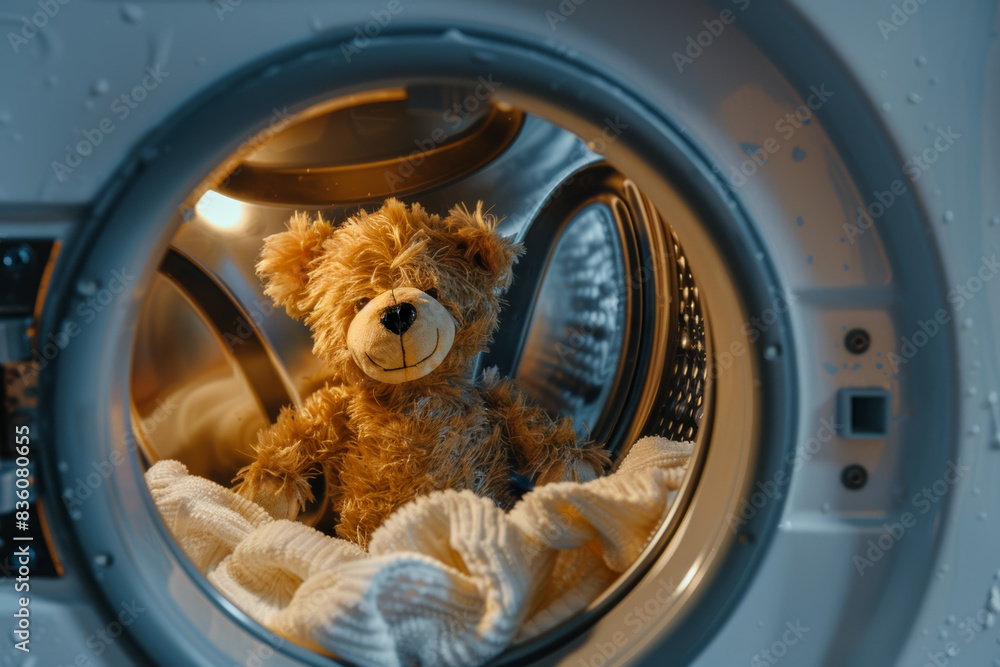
(360, 303)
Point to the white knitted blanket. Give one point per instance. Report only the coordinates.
(449, 578)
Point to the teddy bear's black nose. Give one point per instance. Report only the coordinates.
(398, 318)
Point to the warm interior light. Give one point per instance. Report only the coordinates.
(219, 211)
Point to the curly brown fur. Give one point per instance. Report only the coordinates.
(379, 445)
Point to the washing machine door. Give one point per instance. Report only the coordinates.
(805, 160)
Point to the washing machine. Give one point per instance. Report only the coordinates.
(770, 228)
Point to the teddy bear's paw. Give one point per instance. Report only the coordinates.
(579, 470)
(280, 499)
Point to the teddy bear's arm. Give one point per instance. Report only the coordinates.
(544, 450)
(300, 444)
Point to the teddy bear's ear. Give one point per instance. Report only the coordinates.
(478, 240)
(285, 263)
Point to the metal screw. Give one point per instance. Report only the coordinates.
(854, 477)
(857, 341)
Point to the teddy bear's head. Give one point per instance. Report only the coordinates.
(395, 295)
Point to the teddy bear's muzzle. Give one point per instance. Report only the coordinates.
(401, 335)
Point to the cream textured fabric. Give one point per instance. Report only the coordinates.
(449, 578)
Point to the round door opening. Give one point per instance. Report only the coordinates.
(602, 325)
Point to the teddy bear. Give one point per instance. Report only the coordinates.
(400, 302)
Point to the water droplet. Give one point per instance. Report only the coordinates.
(995, 220)
(798, 154)
(883, 74)
(103, 560)
(951, 649)
(929, 126)
(921, 61)
(4, 118)
(809, 259)
(63, 466)
(131, 13)
(925, 632)
(946, 568)
(950, 620)
(993, 604)
(200, 60)
(972, 391)
(86, 287)
(100, 87)
(949, 216)
(993, 398)
(913, 98)
(942, 633)
(799, 221)
(51, 80)
(976, 491)
(974, 429)
(760, 623)
(825, 508)
(772, 352)
(982, 516)
(933, 81)
(886, 106)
